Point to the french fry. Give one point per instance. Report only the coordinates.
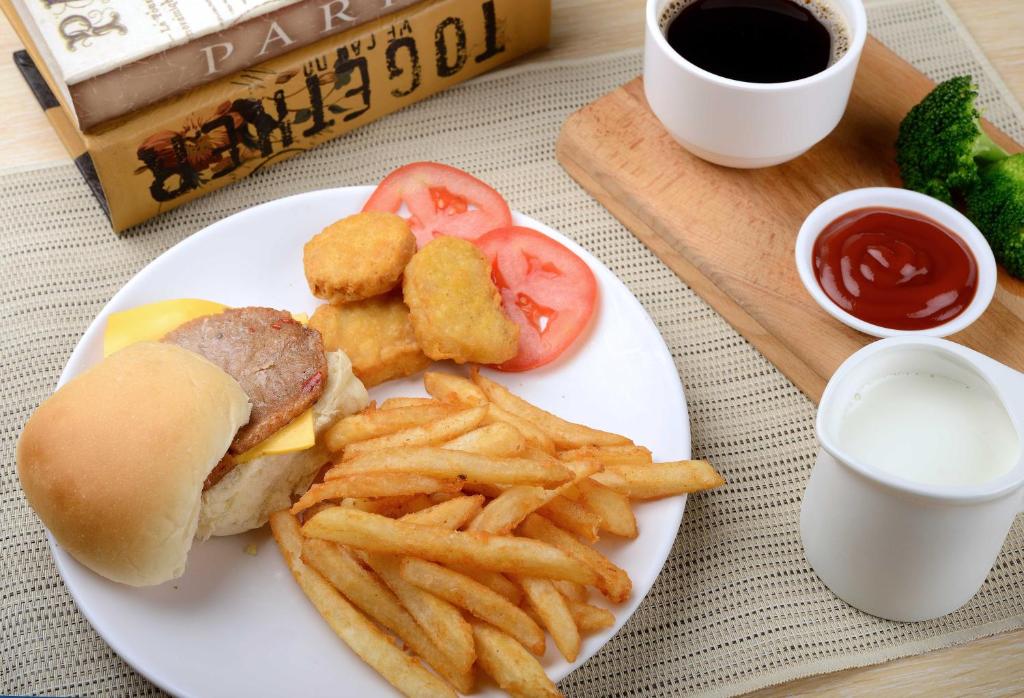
(440, 619)
(532, 612)
(337, 564)
(580, 470)
(453, 390)
(317, 508)
(552, 609)
(416, 503)
(508, 509)
(613, 581)
(499, 553)
(476, 598)
(660, 479)
(375, 485)
(452, 514)
(496, 581)
(539, 453)
(373, 423)
(573, 517)
(564, 434)
(499, 439)
(487, 490)
(392, 507)
(438, 497)
(510, 665)
(442, 463)
(612, 507)
(534, 435)
(571, 590)
(399, 669)
(610, 455)
(590, 619)
(395, 402)
(430, 434)
(571, 491)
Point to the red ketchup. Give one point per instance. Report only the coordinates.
(893, 268)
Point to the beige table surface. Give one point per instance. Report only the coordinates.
(989, 667)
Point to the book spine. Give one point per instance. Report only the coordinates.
(143, 82)
(69, 136)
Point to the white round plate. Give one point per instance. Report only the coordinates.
(236, 624)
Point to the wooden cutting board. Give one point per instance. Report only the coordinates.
(730, 233)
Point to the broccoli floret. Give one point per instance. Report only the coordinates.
(996, 205)
(941, 142)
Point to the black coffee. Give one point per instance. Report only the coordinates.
(754, 40)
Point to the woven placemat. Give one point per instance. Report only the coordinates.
(736, 607)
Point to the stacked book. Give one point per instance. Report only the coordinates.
(161, 101)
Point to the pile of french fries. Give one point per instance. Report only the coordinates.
(459, 523)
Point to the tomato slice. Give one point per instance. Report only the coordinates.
(441, 200)
(545, 288)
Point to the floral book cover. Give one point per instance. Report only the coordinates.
(165, 155)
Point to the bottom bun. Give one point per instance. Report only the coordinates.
(246, 497)
(114, 461)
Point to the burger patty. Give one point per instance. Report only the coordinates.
(224, 466)
(279, 363)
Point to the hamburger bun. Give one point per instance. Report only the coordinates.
(114, 461)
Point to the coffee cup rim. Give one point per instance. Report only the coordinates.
(858, 29)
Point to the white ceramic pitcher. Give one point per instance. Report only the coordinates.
(896, 548)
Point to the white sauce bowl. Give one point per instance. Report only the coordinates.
(906, 200)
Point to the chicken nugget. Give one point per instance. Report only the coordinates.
(358, 257)
(376, 334)
(454, 305)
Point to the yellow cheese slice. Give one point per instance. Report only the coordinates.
(298, 435)
(152, 321)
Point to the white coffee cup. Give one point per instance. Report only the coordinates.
(745, 124)
(893, 547)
